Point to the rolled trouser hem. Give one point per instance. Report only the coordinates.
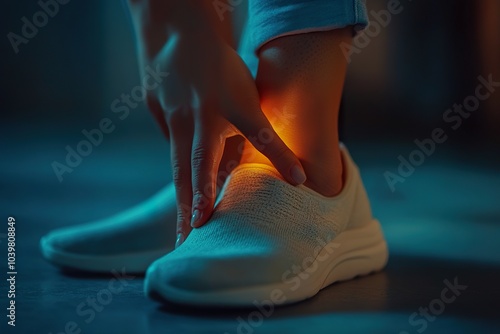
(271, 19)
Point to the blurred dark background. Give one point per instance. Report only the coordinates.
(399, 85)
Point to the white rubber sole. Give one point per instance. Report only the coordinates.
(132, 262)
(355, 252)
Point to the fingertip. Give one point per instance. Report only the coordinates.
(200, 217)
(202, 208)
(297, 174)
(196, 218)
(280, 155)
(180, 239)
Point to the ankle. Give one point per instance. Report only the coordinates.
(324, 176)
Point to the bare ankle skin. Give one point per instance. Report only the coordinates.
(300, 81)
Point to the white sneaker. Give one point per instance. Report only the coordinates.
(269, 241)
(132, 239)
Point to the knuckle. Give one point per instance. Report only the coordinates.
(179, 175)
(202, 157)
(202, 198)
(276, 152)
(183, 216)
(184, 210)
(182, 222)
(203, 162)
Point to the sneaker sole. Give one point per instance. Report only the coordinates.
(357, 252)
(137, 262)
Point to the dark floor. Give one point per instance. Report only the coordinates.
(443, 223)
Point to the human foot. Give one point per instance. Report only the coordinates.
(132, 239)
(323, 169)
(300, 79)
(268, 240)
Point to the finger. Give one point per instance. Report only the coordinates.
(181, 142)
(158, 114)
(261, 134)
(205, 159)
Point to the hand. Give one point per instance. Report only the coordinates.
(209, 96)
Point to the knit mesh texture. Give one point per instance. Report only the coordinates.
(260, 228)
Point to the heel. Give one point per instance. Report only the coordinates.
(361, 252)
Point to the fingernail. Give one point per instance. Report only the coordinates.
(298, 175)
(195, 217)
(180, 240)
